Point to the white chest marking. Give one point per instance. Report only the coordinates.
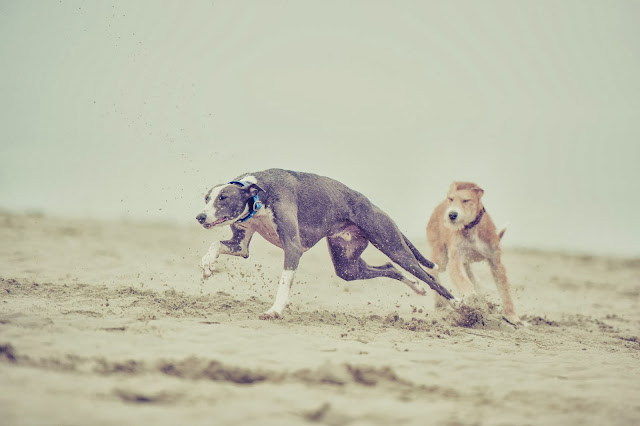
(262, 223)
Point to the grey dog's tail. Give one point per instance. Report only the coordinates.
(419, 257)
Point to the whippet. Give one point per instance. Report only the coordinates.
(461, 230)
(294, 211)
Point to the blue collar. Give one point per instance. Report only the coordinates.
(256, 202)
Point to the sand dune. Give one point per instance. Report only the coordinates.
(109, 323)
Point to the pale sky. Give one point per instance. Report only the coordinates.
(132, 109)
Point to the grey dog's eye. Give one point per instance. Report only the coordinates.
(222, 197)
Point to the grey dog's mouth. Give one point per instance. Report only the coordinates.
(216, 222)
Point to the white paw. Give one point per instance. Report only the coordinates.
(208, 263)
(419, 288)
(413, 283)
(455, 303)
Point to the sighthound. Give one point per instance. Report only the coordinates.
(461, 230)
(294, 211)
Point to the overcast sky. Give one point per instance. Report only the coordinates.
(133, 109)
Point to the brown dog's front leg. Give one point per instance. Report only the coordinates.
(500, 276)
(459, 275)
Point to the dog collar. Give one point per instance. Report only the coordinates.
(475, 221)
(256, 202)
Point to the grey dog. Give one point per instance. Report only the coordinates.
(294, 211)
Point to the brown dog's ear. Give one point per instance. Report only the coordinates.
(452, 188)
(478, 191)
(465, 186)
(253, 189)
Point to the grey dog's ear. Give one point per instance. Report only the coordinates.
(253, 189)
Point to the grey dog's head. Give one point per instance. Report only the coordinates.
(226, 203)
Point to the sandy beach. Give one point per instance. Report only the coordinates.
(109, 323)
(128, 113)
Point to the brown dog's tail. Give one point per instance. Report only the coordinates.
(419, 257)
(503, 230)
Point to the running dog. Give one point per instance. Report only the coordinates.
(461, 230)
(294, 211)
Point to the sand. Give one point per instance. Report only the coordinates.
(108, 323)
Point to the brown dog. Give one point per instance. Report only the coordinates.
(459, 229)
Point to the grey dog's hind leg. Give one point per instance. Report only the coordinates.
(383, 233)
(350, 266)
(419, 257)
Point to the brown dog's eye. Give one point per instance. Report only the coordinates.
(450, 199)
(465, 201)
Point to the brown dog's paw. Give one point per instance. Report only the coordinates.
(269, 316)
(514, 320)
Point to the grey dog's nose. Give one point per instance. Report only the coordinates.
(453, 215)
(201, 217)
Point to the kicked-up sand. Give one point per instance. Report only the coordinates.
(107, 323)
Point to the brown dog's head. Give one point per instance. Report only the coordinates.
(464, 204)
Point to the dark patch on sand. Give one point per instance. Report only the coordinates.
(193, 368)
(469, 317)
(196, 368)
(137, 397)
(7, 353)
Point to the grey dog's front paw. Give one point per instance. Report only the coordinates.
(269, 315)
(208, 263)
(208, 266)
